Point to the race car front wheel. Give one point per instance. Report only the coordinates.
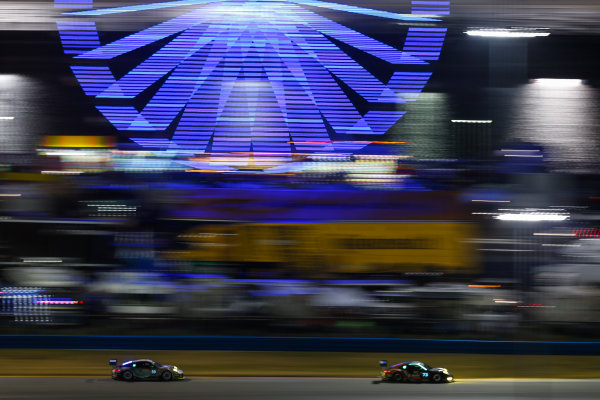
(127, 375)
(167, 376)
(436, 378)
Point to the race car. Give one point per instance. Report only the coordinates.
(414, 371)
(144, 370)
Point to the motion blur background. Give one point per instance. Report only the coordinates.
(474, 216)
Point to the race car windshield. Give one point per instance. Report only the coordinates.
(420, 364)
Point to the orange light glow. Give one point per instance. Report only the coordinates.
(485, 286)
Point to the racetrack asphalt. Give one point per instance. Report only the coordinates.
(294, 389)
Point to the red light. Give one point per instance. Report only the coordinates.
(80, 301)
(586, 232)
(387, 371)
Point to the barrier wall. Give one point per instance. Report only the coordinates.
(325, 344)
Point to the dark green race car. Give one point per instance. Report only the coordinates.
(414, 371)
(143, 370)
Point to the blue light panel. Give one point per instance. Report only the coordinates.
(424, 43)
(243, 76)
(78, 37)
(430, 7)
(74, 4)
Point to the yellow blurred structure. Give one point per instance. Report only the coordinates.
(78, 141)
(338, 246)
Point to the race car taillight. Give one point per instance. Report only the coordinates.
(387, 371)
(116, 370)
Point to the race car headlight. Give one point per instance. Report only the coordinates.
(175, 369)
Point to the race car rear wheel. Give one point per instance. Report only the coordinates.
(127, 376)
(436, 378)
(399, 377)
(166, 376)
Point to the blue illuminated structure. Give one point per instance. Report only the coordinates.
(249, 76)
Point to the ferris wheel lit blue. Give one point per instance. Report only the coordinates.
(257, 75)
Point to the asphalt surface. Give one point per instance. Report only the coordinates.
(292, 389)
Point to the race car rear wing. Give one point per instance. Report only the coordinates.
(112, 363)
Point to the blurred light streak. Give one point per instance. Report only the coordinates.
(42, 260)
(524, 155)
(471, 121)
(56, 172)
(531, 217)
(7, 118)
(506, 250)
(10, 195)
(504, 301)
(558, 83)
(58, 302)
(491, 201)
(560, 245)
(69, 153)
(485, 286)
(496, 241)
(553, 234)
(506, 33)
(520, 150)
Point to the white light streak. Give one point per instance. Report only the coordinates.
(42, 260)
(472, 121)
(78, 153)
(506, 33)
(558, 83)
(524, 155)
(51, 172)
(507, 250)
(531, 217)
(554, 234)
(7, 118)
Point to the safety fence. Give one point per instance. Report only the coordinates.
(320, 344)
